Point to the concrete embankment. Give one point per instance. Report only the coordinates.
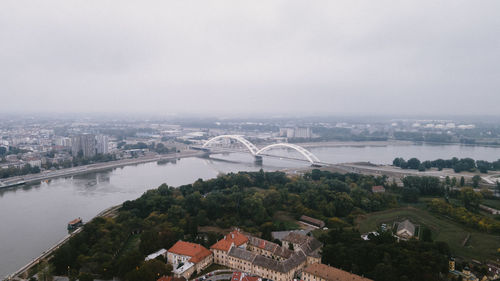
(23, 272)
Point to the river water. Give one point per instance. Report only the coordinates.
(34, 217)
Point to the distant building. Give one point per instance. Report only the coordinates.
(378, 189)
(102, 146)
(322, 272)
(297, 132)
(405, 230)
(84, 143)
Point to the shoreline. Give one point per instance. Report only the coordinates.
(33, 178)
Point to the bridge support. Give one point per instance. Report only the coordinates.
(258, 159)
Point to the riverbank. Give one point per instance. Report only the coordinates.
(23, 272)
(46, 175)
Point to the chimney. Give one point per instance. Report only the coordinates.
(232, 235)
(225, 237)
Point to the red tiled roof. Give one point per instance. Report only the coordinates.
(378, 188)
(238, 276)
(75, 221)
(332, 274)
(195, 251)
(225, 243)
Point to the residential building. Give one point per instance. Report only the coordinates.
(102, 144)
(323, 272)
(187, 257)
(84, 143)
(405, 230)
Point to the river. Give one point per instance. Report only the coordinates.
(34, 217)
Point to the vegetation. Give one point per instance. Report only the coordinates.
(481, 245)
(381, 258)
(462, 215)
(110, 247)
(458, 165)
(13, 171)
(259, 203)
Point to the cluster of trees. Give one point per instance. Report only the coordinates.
(465, 216)
(79, 160)
(458, 165)
(415, 186)
(249, 200)
(13, 171)
(420, 136)
(381, 258)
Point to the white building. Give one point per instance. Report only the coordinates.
(102, 144)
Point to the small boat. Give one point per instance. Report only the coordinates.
(74, 224)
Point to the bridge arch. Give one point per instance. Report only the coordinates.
(250, 146)
(306, 153)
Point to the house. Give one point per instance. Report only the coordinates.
(378, 189)
(405, 230)
(222, 247)
(312, 221)
(322, 272)
(187, 258)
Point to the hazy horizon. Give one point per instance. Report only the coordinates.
(236, 58)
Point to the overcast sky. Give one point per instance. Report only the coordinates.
(251, 57)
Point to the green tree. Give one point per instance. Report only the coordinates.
(470, 198)
(85, 277)
(475, 181)
(462, 181)
(45, 272)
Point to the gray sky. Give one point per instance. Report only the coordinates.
(232, 57)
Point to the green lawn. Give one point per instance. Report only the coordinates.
(282, 218)
(481, 245)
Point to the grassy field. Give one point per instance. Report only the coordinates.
(481, 245)
(286, 219)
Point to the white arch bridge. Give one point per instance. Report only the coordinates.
(258, 153)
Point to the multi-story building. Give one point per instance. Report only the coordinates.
(84, 143)
(263, 258)
(222, 247)
(187, 258)
(323, 272)
(102, 144)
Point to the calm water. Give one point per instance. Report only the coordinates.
(33, 218)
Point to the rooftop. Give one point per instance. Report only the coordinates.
(235, 237)
(195, 251)
(332, 274)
